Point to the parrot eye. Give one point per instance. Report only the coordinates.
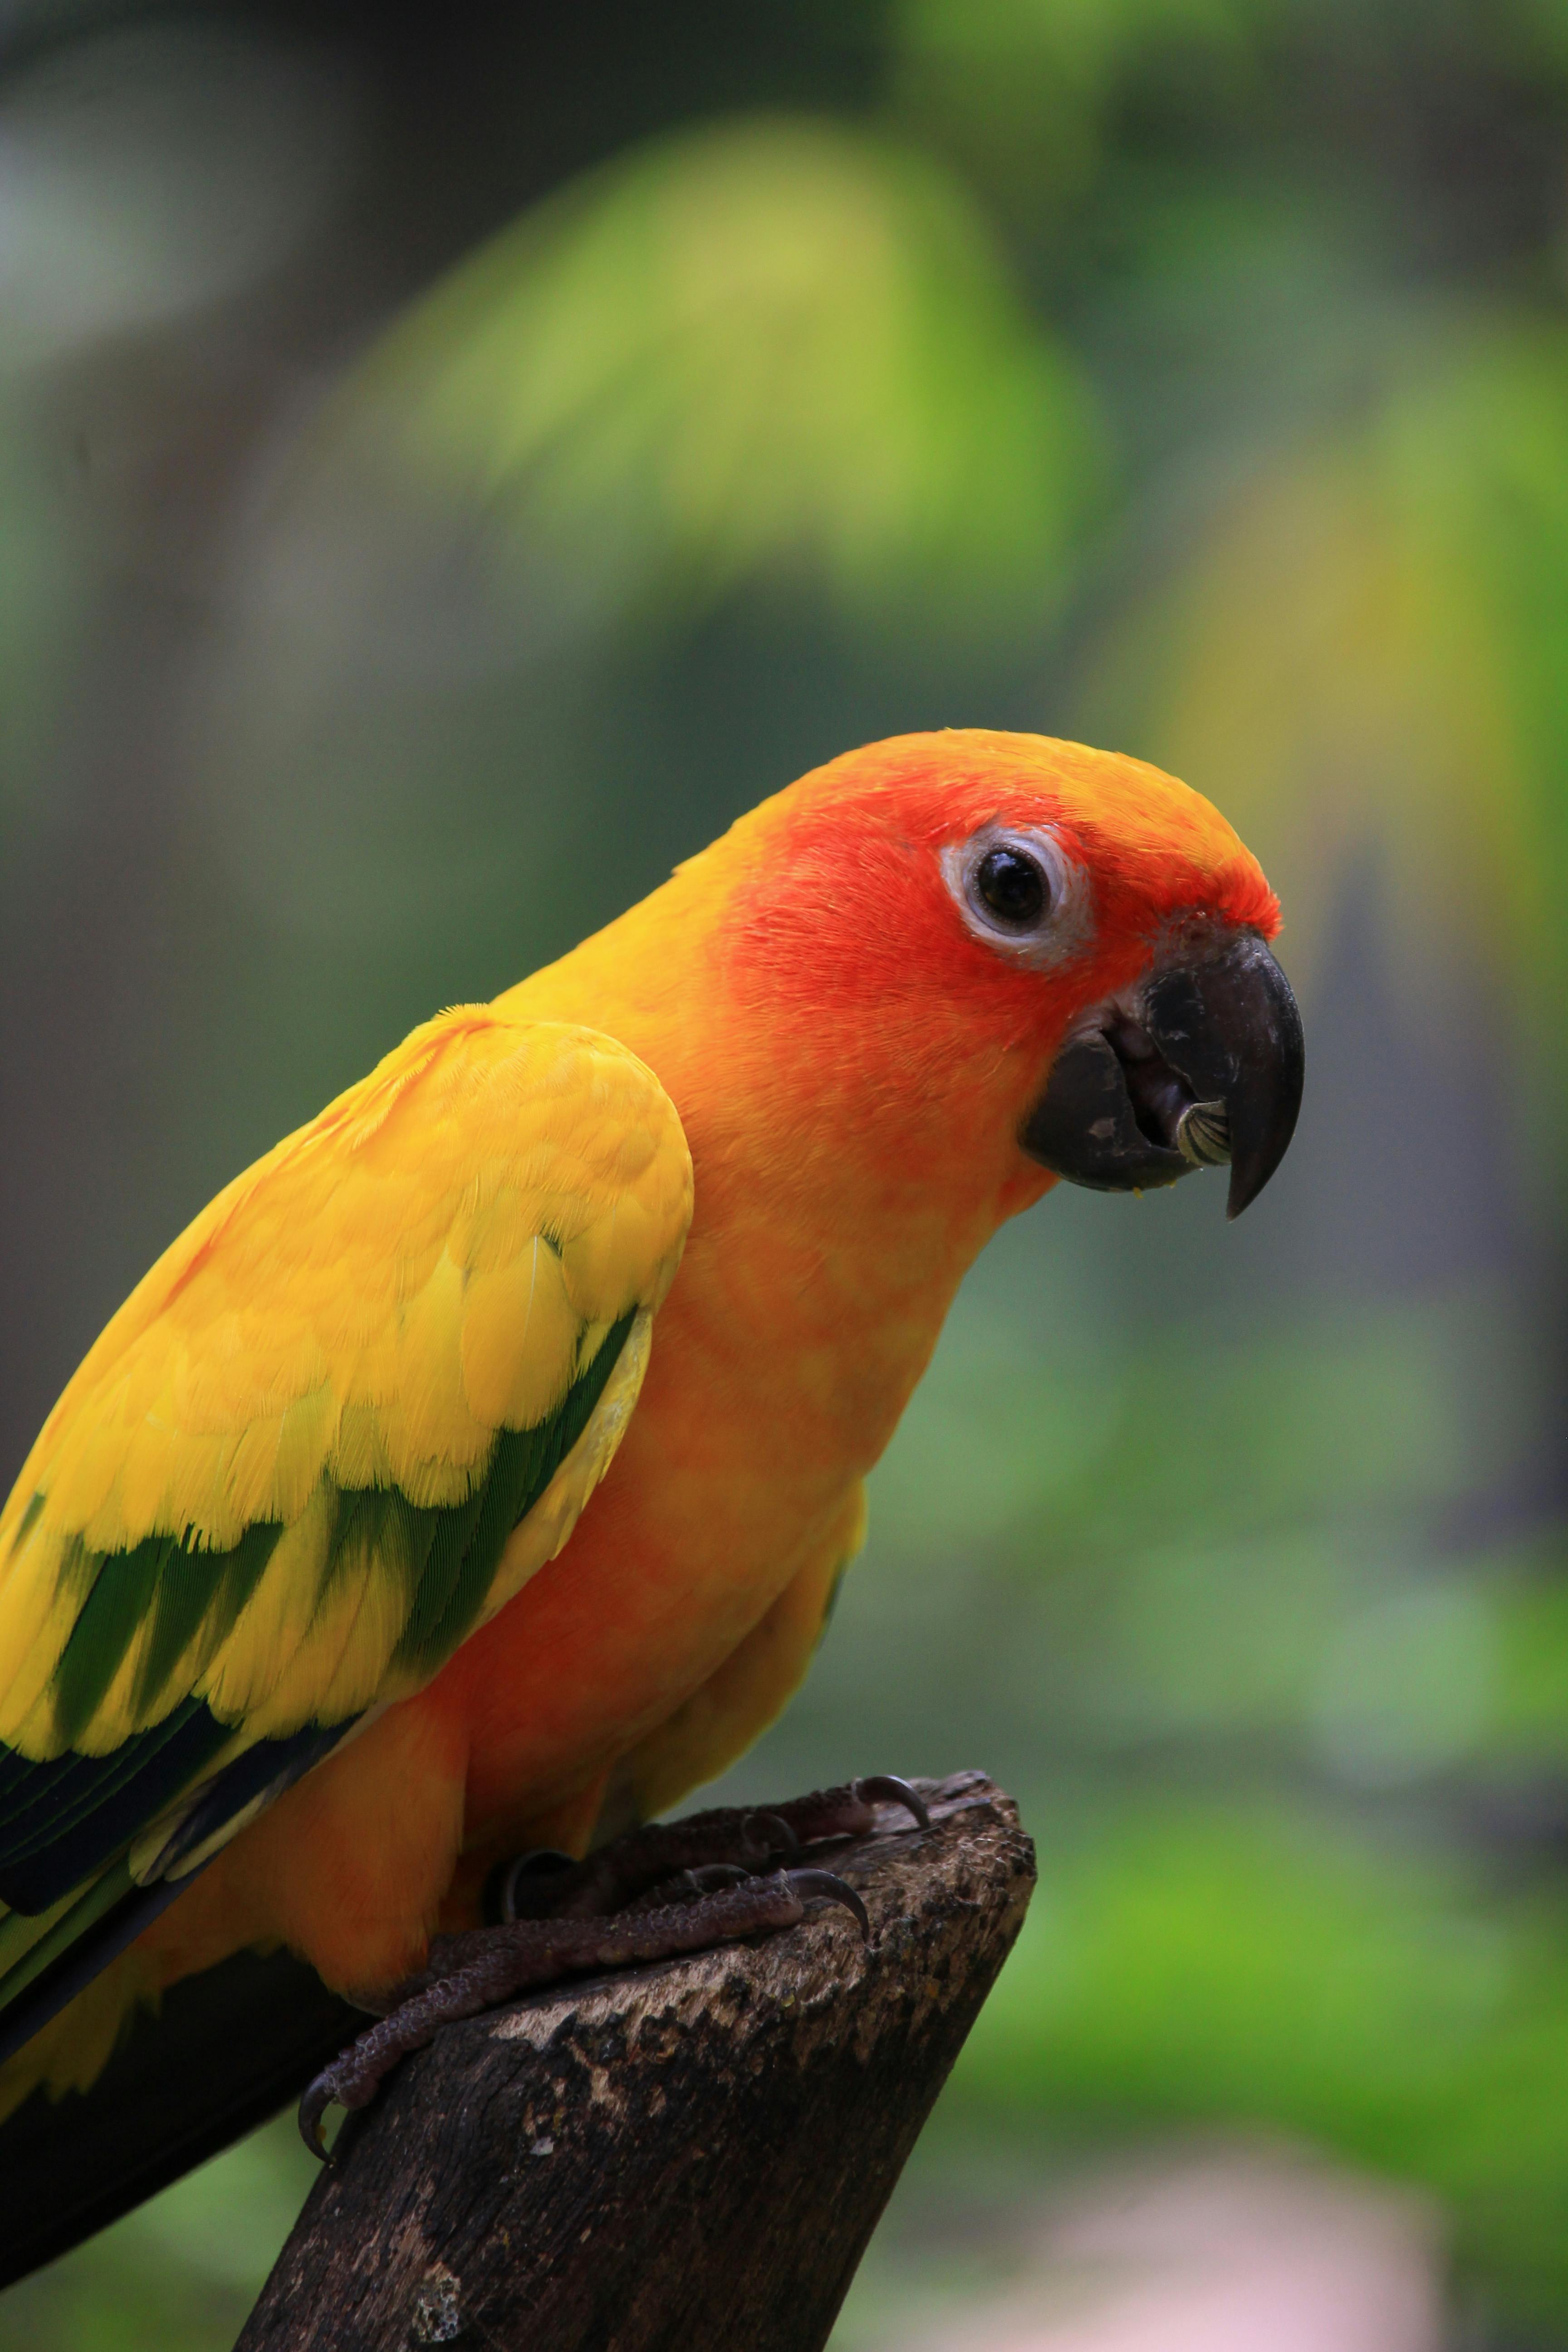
(1018, 892)
(1013, 887)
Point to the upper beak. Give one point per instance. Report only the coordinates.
(1202, 1064)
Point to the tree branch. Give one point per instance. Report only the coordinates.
(690, 2155)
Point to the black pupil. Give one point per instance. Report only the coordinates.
(1012, 885)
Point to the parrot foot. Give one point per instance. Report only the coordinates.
(470, 1973)
(540, 1885)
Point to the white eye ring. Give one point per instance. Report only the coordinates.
(1066, 922)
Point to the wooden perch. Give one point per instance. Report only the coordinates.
(688, 2155)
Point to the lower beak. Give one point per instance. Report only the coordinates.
(1201, 1067)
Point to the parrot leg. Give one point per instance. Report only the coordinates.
(542, 1886)
(472, 1972)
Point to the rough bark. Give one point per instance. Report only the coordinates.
(688, 2155)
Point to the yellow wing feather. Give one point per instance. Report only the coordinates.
(431, 1264)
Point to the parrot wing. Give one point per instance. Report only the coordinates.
(342, 1421)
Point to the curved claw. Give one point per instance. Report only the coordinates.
(836, 1890)
(319, 2097)
(538, 1862)
(893, 1791)
(776, 1833)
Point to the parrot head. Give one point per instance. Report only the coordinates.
(1076, 934)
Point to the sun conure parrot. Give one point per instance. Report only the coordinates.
(474, 1475)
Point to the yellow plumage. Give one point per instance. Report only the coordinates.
(431, 1264)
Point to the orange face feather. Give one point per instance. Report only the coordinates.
(808, 985)
(844, 942)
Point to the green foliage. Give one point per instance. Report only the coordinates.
(1410, 691)
(1025, 88)
(1247, 1964)
(1228, 1559)
(1350, 1982)
(772, 346)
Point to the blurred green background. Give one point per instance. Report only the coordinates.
(451, 462)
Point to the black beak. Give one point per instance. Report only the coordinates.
(1202, 1067)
